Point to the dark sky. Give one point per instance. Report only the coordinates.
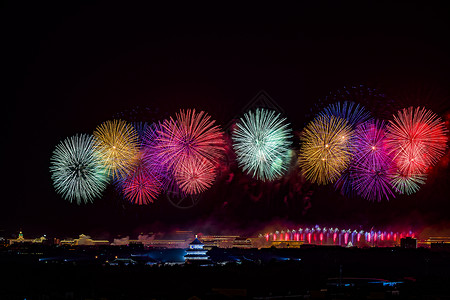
(68, 68)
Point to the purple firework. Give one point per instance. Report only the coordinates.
(152, 156)
(373, 168)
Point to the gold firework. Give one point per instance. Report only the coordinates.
(325, 150)
(117, 145)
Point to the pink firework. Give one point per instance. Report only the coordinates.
(194, 176)
(190, 136)
(417, 140)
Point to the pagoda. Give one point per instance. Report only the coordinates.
(195, 253)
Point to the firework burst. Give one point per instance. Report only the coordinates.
(194, 177)
(261, 141)
(77, 173)
(325, 150)
(354, 113)
(141, 186)
(372, 168)
(408, 183)
(117, 145)
(417, 139)
(190, 136)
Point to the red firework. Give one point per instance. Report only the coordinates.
(141, 186)
(194, 176)
(417, 139)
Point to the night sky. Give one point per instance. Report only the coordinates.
(67, 69)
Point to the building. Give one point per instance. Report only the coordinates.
(21, 239)
(220, 241)
(84, 240)
(408, 243)
(195, 252)
(241, 242)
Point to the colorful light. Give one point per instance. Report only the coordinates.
(372, 167)
(117, 146)
(77, 173)
(140, 186)
(325, 150)
(194, 177)
(190, 136)
(417, 139)
(352, 112)
(261, 141)
(407, 183)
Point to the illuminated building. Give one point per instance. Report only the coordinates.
(21, 239)
(84, 240)
(195, 253)
(437, 242)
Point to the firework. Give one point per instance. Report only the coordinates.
(141, 185)
(374, 100)
(194, 177)
(190, 136)
(141, 130)
(77, 173)
(350, 111)
(372, 168)
(407, 183)
(417, 139)
(153, 157)
(345, 182)
(144, 182)
(261, 142)
(325, 150)
(117, 145)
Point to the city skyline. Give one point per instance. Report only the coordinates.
(72, 68)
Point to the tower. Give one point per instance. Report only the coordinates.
(195, 253)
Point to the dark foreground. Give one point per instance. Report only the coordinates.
(316, 273)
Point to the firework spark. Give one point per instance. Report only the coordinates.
(117, 145)
(77, 173)
(261, 141)
(325, 150)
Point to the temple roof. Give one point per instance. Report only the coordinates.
(196, 242)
